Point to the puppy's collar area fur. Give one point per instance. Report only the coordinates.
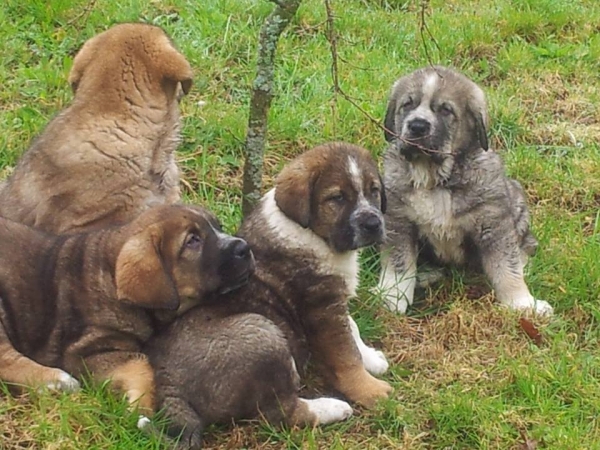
(292, 235)
(424, 174)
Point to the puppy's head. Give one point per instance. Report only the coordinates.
(134, 59)
(174, 256)
(336, 191)
(436, 113)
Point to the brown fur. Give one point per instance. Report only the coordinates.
(110, 154)
(64, 305)
(304, 237)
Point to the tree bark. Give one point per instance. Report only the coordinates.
(262, 93)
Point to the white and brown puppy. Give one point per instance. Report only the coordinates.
(110, 154)
(247, 352)
(87, 302)
(449, 199)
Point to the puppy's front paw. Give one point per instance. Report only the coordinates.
(63, 382)
(328, 410)
(395, 303)
(539, 307)
(397, 296)
(374, 361)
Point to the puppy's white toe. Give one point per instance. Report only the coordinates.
(328, 410)
(543, 308)
(64, 382)
(374, 361)
(540, 307)
(143, 422)
(395, 304)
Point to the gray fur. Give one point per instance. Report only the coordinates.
(449, 199)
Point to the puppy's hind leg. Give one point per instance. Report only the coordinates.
(502, 263)
(128, 372)
(17, 368)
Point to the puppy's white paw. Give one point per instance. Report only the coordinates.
(374, 361)
(397, 289)
(64, 382)
(395, 303)
(143, 423)
(328, 410)
(539, 307)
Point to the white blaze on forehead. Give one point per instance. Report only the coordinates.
(355, 174)
(423, 111)
(430, 85)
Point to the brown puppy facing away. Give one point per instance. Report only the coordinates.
(88, 302)
(109, 155)
(246, 352)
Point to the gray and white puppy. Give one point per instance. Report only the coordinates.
(449, 199)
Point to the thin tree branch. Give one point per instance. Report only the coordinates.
(260, 103)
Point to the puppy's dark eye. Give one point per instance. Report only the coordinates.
(193, 241)
(446, 109)
(375, 190)
(407, 103)
(336, 198)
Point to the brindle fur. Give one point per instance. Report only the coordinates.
(294, 306)
(88, 302)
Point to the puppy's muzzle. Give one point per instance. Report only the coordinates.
(418, 128)
(238, 263)
(415, 141)
(369, 228)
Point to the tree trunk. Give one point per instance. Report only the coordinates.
(262, 93)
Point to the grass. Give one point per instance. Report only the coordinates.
(465, 374)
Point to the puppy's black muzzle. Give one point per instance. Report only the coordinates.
(417, 140)
(237, 263)
(370, 228)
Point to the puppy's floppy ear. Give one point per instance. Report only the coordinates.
(481, 127)
(140, 275)
(83, 58)
(383, 196)
(293, 192)
(174, 67)
(390, 119)
(477, 106)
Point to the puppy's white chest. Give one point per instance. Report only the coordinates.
(431, 210)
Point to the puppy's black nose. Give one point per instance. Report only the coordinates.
(372, 224)
(240, 249)
(419, 127)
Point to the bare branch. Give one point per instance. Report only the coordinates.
(424, 29)
(337, 89)
(262, 94)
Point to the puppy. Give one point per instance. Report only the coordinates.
(88, 302)
(109, 155)
(450, 200)
(245, 353)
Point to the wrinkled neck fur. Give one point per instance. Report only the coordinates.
(425, 174)
(292, 235)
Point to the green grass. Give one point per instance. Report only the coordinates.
(465, 374)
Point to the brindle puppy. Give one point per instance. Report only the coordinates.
(88, 302)
(247, 352)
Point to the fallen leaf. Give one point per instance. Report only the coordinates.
(531, 331)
